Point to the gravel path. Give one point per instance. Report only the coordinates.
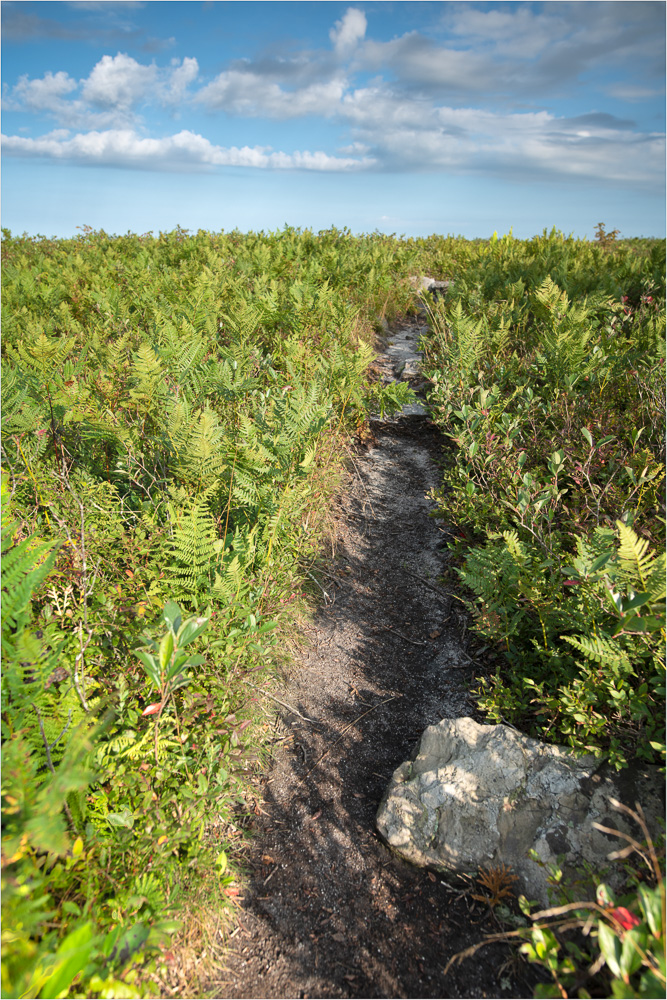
(331, 912)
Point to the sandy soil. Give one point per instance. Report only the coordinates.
(331, 911)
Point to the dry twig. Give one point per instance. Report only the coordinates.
(358, 719)
(389, 628)
(285, 704)
(436, 590)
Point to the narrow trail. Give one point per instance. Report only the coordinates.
(331, 911)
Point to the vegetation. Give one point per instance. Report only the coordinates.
(174, 410)
(615, 946)
(607, 947)
(547, 363)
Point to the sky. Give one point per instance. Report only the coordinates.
(407, 118)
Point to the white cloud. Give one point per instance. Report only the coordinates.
(184, 151)
(46, 94)
(348, 32)
(449, 107)
(179, 80)
(119, 81)
(52, 96)
(108, 97)
(246, 93)
(417, 60)
(413, 136)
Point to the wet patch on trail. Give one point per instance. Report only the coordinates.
(330, 910)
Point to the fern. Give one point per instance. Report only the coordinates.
(148, 376)
(462, 340)
(599, 648)
(198, 457)
(636, 563)
(194, 538)
(145, 890)
(24, 568)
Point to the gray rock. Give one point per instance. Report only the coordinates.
(477, 796)
(426, 284)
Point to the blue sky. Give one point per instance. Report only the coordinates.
(413, 118)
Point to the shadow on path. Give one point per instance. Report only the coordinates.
(331, 912)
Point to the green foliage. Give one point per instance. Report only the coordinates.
(173, 411)
(550, 398)
(583, 655)
(618, 949)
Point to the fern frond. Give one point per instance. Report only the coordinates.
(599, 648)
(635, 560)
(24, 567)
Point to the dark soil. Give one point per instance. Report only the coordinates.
(331, 911)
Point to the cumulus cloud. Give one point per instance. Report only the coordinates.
(246, 93)
(52, 97)
(348, 32)
(184, 151)
(118, 81)
(111, 95)
(47, 94)
(180, 79)
(468, 104)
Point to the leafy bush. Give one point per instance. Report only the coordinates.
(174, 410)
(547, 366)
(615, 946)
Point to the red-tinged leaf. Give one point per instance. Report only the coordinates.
(571, 583)
(244, 725)
(152, 709)
(626, 919)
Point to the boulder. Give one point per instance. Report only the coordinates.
(476, 796)
(426, 284)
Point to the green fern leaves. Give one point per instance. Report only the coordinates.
(24, 567)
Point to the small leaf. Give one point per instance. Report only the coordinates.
(605, 895)
(150, 665)
(632, 949)
(626, 919)
(587, 434)
(166, 649)
(190, 629)
(71, 957)
(600, 562)
(121, 819)
(610, 948)
(650, 899)
(172, 616)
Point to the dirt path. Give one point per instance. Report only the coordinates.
(331, 912)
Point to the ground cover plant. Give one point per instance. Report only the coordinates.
(547, 367)
(174, 410)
